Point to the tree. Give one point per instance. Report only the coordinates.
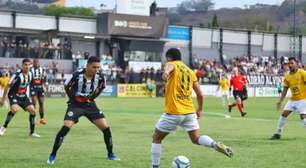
(194, 6)
(201, 5)
(54, 10)
(215, 23)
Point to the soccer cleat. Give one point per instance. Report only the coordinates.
(34, 135)
(229, 108)
(2, 131)
(243, 114)
(275, 137)
(42, 121)
(220, 147)
(155, 166)
(112, 156)
(51, 159)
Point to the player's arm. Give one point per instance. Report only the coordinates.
(14, 80)
(100, 88)
(45, 80)
(284, 94)
(69, 83)
(198, 92)
(6, 88)
(168, 69)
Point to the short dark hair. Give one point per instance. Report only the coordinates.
(293, 59)
(174, 54)
(26, 60)
(93, 59)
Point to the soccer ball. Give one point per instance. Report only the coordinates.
(180, 162)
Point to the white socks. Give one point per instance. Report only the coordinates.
(206, 141)
(280, 125)
(155, 154)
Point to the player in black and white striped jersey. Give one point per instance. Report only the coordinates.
(18, 97)
(37, 88)
(82, 89)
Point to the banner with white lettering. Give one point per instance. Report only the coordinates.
(264, 80)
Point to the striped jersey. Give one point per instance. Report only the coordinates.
(19, 84)
(81, 90)
(39, 77)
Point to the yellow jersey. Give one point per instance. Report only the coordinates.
(224, 84)
(178, 89)
(4, 82)
(296, 83)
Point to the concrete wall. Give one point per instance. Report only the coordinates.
(35, 22)
(6, 19)
(78, 25)
(42, 23)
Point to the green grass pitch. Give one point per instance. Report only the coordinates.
(132, 122)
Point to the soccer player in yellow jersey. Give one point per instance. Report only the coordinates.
(179, 108)
(223, 88)
(4, 85)
(295, 80)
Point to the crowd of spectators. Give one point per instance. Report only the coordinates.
(115, 74)
(209, 71)
(24, 48)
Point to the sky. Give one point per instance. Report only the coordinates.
(171, 3)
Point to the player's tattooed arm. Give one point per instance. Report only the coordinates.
(168, 69)
(69, 85)
(100, 88)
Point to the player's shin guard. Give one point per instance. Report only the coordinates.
(32, 123)
(206, 141)
(9, 117)
(155, 154)
(280, 125)
(59, 139)
(108, 140)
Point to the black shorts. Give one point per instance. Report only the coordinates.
(37, 92)
(23, 102)
(90, 111)
(243, 95)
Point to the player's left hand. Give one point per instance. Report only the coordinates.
(199, 113)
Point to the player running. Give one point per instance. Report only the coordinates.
(223, 88)
(238, 82)
(37, 88)
(179, 108)
(296, 81)
(82, 89)
(4, 84)
(17, 95)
